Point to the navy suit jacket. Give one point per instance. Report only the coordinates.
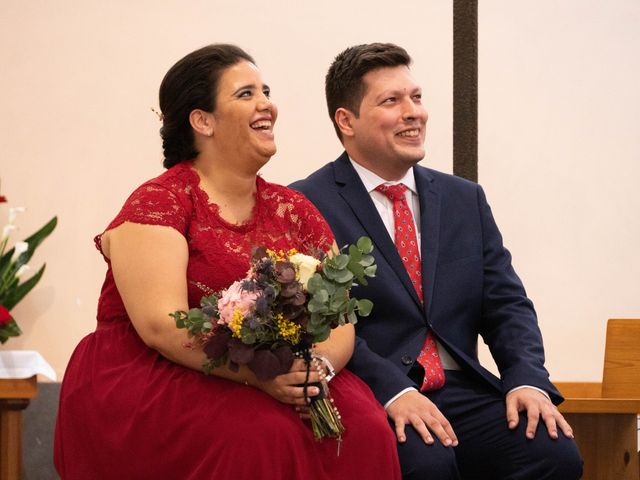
(469, 285)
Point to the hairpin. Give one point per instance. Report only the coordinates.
(159, 114)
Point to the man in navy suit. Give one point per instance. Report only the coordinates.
(476, 426)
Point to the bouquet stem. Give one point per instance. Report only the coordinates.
(324, 416)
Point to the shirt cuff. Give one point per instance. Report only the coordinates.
(527, 386)
(399, 394)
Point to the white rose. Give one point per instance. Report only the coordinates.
(306, 266)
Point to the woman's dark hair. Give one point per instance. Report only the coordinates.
(343, 84)
(192, 83)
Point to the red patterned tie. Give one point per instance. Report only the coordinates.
(407, 245)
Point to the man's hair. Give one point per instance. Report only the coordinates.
(343, 84)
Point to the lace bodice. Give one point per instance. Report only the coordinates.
(219, 252)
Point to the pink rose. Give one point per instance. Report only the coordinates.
(235, 298)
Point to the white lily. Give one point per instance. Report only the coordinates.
(13, 213)
(7, 230)
(22, 270)
(19, 249)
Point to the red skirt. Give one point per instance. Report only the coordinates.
(128, 413)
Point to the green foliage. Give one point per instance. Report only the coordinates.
(196, 320)
(8, 330)
(12, 289)
(330, 304)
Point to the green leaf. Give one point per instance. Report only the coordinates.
(11, 329)
(315, 283)
(33, 241)
(354, 254)
(322, 335)
(344, 276)
(367, 260)
(14, 295)
(330, 273)
(357, 270)
(317, 307)
(247, 336)
(371, 271)
(321, 296)
(351, 306)
(364, 307)
(341, 261)
(337, 304)
(365, 245)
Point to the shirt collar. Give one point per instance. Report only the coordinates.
(371, 180)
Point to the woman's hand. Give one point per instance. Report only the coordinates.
(286, 387)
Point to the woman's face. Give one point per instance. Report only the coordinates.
(244, 115)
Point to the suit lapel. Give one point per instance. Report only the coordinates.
(430, 231)
(357, 197)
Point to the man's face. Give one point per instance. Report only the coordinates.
(388, 136)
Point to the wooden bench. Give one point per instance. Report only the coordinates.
(15, 395)
(604, 416)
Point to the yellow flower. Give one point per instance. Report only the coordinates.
(236, 322)
(280, 255)
(288, 330)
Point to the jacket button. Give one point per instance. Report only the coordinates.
(406, 360)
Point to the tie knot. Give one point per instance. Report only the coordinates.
(394, 192)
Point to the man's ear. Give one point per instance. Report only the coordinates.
(202, 122)
(344, 119)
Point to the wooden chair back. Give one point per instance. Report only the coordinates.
(621, 375)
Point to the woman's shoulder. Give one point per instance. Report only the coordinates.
(280, 194)
(179, 179)
(165, 200)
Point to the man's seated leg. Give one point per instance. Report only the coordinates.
(488, 450)
(420, 461)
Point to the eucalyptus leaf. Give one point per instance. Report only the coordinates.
(364, 307)
(315, 283)
(371, 271)
(321, 296)
(365, 245)
(341, 261)
(317, 307)
(367, 260)
(355, 254)
(322, 335)
(344, 276)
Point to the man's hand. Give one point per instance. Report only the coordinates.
(537, 405)
(415, 409)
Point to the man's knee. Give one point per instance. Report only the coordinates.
(419, 461)
(559, 460)
(567, 463)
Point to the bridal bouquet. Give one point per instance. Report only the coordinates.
(287, 302)
(13, 267)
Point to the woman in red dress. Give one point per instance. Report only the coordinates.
(134, 403)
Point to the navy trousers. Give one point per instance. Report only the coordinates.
(487, 449)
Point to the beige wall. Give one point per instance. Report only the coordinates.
(556, 92)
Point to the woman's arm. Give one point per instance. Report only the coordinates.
(149, 266)
(338, 348)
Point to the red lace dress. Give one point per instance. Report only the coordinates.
(128, 413)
